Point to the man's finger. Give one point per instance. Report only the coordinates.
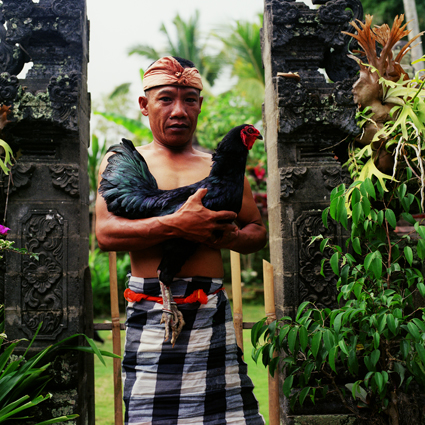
(225, 216)
(200, 193)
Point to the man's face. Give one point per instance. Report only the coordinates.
(173, 113)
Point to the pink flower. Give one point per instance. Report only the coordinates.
(3, 230)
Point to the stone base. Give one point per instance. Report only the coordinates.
(322, 420)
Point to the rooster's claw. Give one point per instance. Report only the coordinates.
(171, 315)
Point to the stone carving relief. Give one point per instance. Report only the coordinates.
(312, 285)
(9, 86)
(65, 8)
(290, 180)
(63, 92)
(43, 289)
(66, 178)
(337, 15)
(19, 177)
(335, 176)
(17, 8)
(285, 17)
(12, 56)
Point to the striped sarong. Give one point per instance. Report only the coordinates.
(203, 379)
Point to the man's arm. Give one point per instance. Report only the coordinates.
(250, 235)
(192, 221)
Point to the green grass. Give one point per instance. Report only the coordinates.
(104, 390)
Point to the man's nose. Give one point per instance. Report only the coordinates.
(179, 109)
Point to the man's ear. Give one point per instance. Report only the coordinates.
(143, 103)
(201, 99)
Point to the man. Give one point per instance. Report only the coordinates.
(202, 380)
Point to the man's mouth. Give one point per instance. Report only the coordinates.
(178, 126)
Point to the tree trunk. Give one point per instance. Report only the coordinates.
(412, 15)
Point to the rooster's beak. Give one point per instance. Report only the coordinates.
(260, 137)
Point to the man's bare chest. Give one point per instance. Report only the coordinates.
(170, 175)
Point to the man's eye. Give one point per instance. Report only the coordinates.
(165, 99)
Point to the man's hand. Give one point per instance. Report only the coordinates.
(199, 224)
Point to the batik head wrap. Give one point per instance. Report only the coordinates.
(168, 72)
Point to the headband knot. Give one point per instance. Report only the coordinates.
(168, 72)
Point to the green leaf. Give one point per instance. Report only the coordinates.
(401, 370)
(420, 247)
(303, 334)
(420, 324)
(292, 338)
(402, 189)
(366, 206)
(303, 394)
(390, 217)
(404, 348)
(323, 244)
(421, 288)
(343, 346)
(376, 340)
(283, 332)
(408, 253)
(315, 343)
(379, 380)
(332, 356)
(420, 230)
(421, 351)
(368, 185)
(356, 213)
(374, 357)
(58, 420)
(301, 308)
(337, 322)
(257, 330)
(328, 340)
(408, 217)
(413, 329)
(391, 324)
(356, 246)
(325, 213)
(287, 385)
(376, 267)
(334, 263)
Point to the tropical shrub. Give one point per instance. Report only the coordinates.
(369, 350)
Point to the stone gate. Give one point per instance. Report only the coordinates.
(47, 207)
(306, 119)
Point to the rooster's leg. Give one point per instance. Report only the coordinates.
(171, 315)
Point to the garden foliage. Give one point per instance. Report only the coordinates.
(369, 350)
(23, 379)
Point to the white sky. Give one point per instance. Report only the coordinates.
(115, 26)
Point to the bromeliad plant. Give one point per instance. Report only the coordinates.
(369, 351)
(23, 380)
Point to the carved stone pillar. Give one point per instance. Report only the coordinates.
(305, 122)
(49, 190)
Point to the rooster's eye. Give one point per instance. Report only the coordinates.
(250, 130)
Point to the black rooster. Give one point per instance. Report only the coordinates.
(131, 191)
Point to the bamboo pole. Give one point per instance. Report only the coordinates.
(235, 263)
(269, 304)
(116, 337)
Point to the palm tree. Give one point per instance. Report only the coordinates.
(188, 44)
(243, 52)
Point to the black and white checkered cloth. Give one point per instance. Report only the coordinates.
(202, 380)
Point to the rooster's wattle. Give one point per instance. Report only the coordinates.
(131, 191)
